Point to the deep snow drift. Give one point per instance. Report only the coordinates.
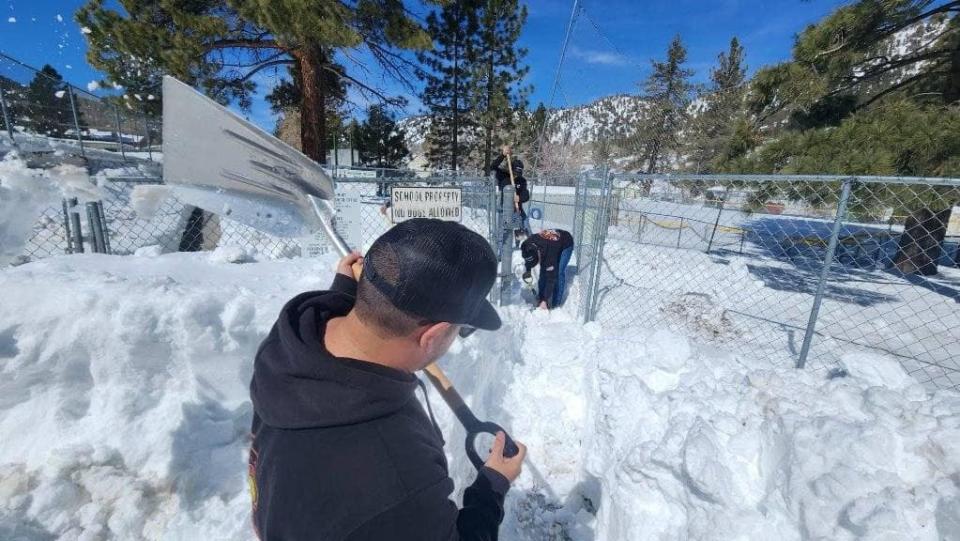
(124, 413)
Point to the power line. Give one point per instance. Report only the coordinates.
(556, 79)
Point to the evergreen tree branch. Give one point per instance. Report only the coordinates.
(246, 44)
(904, 83)
(265, 65)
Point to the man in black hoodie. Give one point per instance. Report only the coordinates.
(342, 449)
(521, 193)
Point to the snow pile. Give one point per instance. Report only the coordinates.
(123, 396)
(26, 192)
(124, 381)
(661, 439)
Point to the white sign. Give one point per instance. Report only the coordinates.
(425, 202)
(315, 245)
(346, 172)
(348, 221)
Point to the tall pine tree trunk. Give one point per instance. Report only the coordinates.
(921, 243)
(456, 103)
(488, 124)
(952, 92)
(313, 124)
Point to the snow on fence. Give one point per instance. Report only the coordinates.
(800, 269)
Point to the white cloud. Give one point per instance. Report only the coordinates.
(59, 18)
(12, 20)
(604, 58)
(93, 86)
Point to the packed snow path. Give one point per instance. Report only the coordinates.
(124, 410)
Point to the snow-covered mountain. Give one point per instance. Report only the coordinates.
(621, 114)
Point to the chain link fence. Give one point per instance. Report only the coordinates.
(39, 112)
(798, 269)
(128, 218)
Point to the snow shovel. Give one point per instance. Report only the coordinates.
(217, 161)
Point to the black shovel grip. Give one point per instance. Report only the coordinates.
(510, 448)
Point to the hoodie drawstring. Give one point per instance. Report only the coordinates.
(426, 398)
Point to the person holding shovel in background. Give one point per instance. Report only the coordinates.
(511, 173)
(551, 249)
(342, 449)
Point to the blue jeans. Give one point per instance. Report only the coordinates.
(561, 285)
(561, 289)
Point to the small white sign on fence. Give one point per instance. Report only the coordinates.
(348, 221)
(426, 202)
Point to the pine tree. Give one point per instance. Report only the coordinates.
(219, 45)
(845, 63)
(45, 107)
(498, 73)
(379, 141)
(531, 127)
(447, 71)
(286, 97)
(845, 97)
(667, 92)
(721, 108)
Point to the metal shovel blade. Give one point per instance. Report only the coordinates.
(211, 152)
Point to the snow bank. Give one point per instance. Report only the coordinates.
(644, 435)
(26, 192)
(124, 387)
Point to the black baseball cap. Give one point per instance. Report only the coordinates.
(436, 270)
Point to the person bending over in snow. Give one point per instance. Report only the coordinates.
(551, 249)
(342, 449)
(522, 193)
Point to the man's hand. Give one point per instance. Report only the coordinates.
(505, 149)
(543, 305)
(507, 467)
(345, 265)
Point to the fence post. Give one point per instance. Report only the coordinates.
(66, 227)
(75, 225)
(6, 114)
(601, 239)
(146, 131)
(680, 232)
(76, 121)
(505, 241)
(103, 228)
(715, 224)
(825, 271)
(94, 224)
(116, 109)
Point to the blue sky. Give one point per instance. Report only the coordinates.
(610, 49)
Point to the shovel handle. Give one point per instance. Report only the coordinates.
(510, 448)
(516, 206)
(471, 424)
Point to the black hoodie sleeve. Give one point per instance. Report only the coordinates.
(495, 164)
(344, 284)
(429, 515)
